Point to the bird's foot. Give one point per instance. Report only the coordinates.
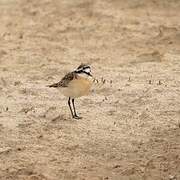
(77, 117)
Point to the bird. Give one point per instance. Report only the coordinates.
(75, 84)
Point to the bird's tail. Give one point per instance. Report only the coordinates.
(53, 85)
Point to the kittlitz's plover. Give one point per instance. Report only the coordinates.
(75, 84)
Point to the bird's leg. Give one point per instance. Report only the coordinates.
(75, 114)
(69, 103)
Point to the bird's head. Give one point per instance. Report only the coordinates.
(84, 69)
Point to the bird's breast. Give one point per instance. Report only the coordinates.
(79, 86)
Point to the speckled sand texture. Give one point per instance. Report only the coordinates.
(131, 124)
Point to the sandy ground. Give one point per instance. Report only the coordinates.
(131, 125)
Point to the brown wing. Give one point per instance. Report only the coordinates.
(65, 80)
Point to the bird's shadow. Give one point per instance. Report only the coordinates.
(61, 117)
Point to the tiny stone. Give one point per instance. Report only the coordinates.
(171, 177)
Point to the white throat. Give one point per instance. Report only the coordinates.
(84, 75)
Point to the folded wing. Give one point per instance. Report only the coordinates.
(65, 80)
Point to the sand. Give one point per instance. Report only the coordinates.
(131, 124)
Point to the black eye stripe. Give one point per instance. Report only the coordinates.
(82, 71)
(87, 67)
